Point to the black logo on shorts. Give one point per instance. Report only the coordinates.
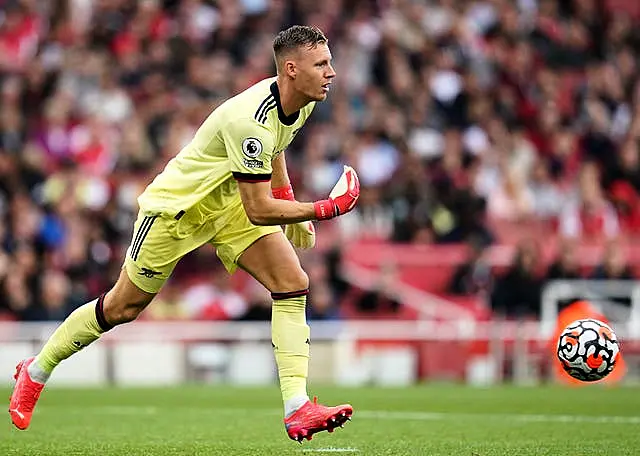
(148, 273)
(78, 344)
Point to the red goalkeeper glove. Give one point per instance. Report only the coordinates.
(302, 234)
(342, 198)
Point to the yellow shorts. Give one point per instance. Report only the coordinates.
(160, 241)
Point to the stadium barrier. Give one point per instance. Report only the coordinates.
(619, 300)
(392, 353)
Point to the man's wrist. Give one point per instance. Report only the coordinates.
(324, 209)
(283, 193)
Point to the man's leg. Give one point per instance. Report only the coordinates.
(274, 263)
(123, 303)
(151, 257)
(289, 286)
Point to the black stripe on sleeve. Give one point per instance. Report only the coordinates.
(262, 105)
(265, 111)
(248, 177)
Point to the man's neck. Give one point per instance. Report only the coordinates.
(290, 100)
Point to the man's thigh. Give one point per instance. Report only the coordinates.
(238, 235)
(156, 249)
(274, 263)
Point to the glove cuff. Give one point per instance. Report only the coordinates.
(283, 193)
(325, 209)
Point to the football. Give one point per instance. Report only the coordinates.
(588, 350)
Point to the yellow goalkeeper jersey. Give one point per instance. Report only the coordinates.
(239, 139)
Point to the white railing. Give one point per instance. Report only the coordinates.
(343, 352)
(193, 331)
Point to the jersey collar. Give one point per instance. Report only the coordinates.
(287, 120)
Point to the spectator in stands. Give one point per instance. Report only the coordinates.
(17, 296)
(627, 166)
(380, 300)
(335, 278)
(214, 299)
(589, 215)
(566, 264)
(474, 276)
(459, 214)
(371, 219)
(511, 199)
(565, 267)
(626, 200)
(376, 303)
(547, 197)
(258, 304)
(322, 305)
(624, 186)
(167, 305)
(56, 296)
(614, 265)
(517, 292)
(410, 197)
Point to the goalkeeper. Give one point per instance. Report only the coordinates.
(228, 187)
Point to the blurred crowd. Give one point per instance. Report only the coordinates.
(456, 114)
(515, 291)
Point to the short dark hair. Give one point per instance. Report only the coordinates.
(297, 36)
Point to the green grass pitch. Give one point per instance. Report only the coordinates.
(433, 420)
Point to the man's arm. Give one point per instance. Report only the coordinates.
(301, 234)
(262, 209)
(279, 176)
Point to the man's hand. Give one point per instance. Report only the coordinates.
(342, 198)
(302, 234)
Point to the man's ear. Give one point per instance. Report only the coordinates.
(290, 69)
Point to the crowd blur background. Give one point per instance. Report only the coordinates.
(465, 119)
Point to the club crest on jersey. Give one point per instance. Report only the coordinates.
(251, 147)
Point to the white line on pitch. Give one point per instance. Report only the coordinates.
(526, 418)
(331, 450)
(102, 410)
(358, 414)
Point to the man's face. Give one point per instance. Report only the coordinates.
(313, 71)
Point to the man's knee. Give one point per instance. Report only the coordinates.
(124, 302)
(118, 311)
(123, 312)
(294, 281)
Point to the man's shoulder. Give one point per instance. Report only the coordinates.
(253, 97)
(250, 105)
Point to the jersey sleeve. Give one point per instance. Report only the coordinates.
(249, 146)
